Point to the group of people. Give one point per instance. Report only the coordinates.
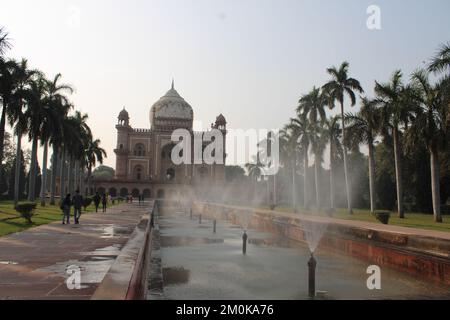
(77, 202)
(130, 198)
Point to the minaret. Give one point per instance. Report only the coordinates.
(123, 127)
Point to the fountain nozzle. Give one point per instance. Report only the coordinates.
(312, 276)
(244, 242)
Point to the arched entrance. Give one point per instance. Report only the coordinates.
(147, 193)
(135, 193)
(123, 192)
(112, 192)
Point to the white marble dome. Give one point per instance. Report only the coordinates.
(171, 106)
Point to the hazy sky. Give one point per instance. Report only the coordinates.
(248, 59)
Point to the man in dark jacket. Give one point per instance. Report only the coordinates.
(65, 207)
(77, 204)
(97, 199)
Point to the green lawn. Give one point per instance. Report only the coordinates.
(411, 220)
(11, 222)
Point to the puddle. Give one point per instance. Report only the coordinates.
(173, 241)
(8, 262)
(176, 275)
(113, 231)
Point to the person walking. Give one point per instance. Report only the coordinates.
(77, 204)
(96, 201)
(65, 207)
(104, 202)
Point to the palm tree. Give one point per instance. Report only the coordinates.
(397, 101)
(4, 42)
(337, 88)
(57, 142)
(289, 150)
(312, 107)
(35, 115)
(299, 126)
(77, 133)
(23, 77)
(254, 169)
(318, 144)
(441, 62)
(56, 105)
(362, 129)
(333, 132)
(93, 153)
(7, 87)
(430, 127)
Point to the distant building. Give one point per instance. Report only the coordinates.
(143, 156)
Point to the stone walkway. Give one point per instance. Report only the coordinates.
(34, 264)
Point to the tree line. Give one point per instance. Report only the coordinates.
(38, 108)
(407, 120)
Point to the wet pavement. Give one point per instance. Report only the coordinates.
(35, 264)
(197, 264)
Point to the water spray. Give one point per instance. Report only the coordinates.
(312, 276)
(244, 242)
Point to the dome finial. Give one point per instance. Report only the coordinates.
(173, 84)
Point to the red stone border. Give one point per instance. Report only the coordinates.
(127, 277)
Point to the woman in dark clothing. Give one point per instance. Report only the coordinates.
(104, 202)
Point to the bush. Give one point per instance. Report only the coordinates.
(382, 216)
(120, 199)
(26, 210)
(87, 202)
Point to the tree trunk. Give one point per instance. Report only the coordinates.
(89, 180)
(347, 180)
(434, 161)
(274, 190)
(76, 176)
(331, 178)
(70, 175)
(81, 182)
(18, 166)
(54, 173)
(371, 177)
(44, 174)
(32, 174)
(305, 179)
(62, 176)
(398, 173)
(294, 189)
(2, 138)
(316, 177)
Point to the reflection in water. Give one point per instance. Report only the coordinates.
(175, 275)
(175, 241)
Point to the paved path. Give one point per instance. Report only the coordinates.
(33, 263)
